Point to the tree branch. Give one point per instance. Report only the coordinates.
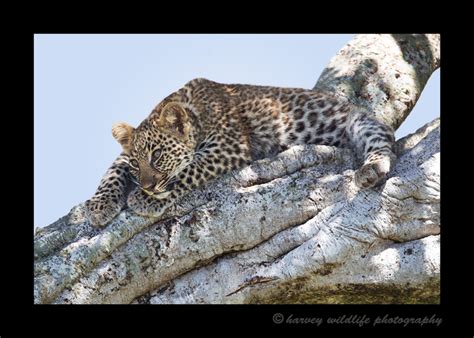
(289, 229)
(385, 73)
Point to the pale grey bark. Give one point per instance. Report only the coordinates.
(385, 73)
(356, 246)
(289, 229)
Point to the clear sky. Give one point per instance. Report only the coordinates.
(85, 83)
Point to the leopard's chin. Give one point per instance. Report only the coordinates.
(160, 195)
(149, 193)
(157, 191)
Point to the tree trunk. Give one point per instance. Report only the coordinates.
(291, 229)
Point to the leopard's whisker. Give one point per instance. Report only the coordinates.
(134, 181)
(163, 184)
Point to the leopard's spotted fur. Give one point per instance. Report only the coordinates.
(206, 129)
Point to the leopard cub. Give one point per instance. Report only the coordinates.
(206, 129)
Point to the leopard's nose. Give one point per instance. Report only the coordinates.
(148, 184)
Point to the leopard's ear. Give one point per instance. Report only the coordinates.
(174, 118)
(122, 132)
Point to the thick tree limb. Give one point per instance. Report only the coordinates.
(386, 73)
(369, 247)
(289, 229)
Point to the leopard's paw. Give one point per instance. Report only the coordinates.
(373, 173)
(145, 205)
(100, 212)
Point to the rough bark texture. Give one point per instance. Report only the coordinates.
(385, 73)
(289, 229)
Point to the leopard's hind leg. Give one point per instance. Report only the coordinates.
(374, 142)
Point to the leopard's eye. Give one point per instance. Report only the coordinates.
(156, 154)
(133, 163)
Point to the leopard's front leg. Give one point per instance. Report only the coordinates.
(110, 196)
(151, 206)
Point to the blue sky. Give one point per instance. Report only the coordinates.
(85, 83)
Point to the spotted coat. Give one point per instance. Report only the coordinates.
(206, 129)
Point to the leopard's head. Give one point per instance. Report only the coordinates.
(159, 149)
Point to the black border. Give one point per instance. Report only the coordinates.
(246, 316)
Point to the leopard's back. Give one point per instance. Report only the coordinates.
(267, 119)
